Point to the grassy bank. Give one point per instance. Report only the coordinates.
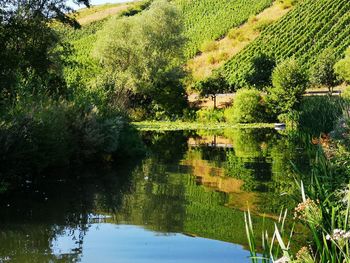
(180, 125)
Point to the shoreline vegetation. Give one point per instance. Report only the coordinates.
(186, 125)
(75, 94)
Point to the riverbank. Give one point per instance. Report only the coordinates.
(183, 125)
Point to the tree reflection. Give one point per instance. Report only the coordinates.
(197, 189)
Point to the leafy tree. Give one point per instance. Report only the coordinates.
(30, 56)
(322, 73)
(262, 66)
(212, 86)
(342, 67)
(143, 54)
(289, 83)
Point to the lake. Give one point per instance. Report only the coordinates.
(183, 202)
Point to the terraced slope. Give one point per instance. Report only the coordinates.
(95, 13)
(224, 49)
(305, 32)
(207, 20)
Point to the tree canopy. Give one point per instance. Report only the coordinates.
(29, 47)
(143, 54)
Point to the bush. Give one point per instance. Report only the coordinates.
(342, 67)
(346, 94)
(248, 107)
(289, 83)
(43, 134)
(210, 115)
(318, 114)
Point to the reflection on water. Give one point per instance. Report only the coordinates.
(182, 202)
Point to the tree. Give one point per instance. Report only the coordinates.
(141, 54)
(30, 57)
(289, 84)
(322, 73)
(342, 67)
(262, 66)
(212, 86)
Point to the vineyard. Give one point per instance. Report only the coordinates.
(208, 20)
(303, 33)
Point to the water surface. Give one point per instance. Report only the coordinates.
(183, 202)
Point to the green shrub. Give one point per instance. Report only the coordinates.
(342, 67)
(248, 107)
(289, 83)
(346, 94)
(318, 114)
(43, 133)
(210, 115)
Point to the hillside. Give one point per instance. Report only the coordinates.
(303, 33)
(96, 13)
(208, 20)
(99, 12)
(216, 53)
(205, 20)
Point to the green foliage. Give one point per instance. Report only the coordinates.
(208, 20)
(30, 61)
(342, 67)
(248, 107)
(322, 72)
(186, 126)
(210, 115)
(324, 209)
(211, 86)
(141, 56)
(137, 8)
(260, 74)
(82, 68)
(257, 73)
(38, 134)
(319, 114)
(289, 84)
(307, 30)
(346, 94)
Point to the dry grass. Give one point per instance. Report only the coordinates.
(222, 101)
(96, 13)
(212, 58)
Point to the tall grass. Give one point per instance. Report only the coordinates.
(323, 209)
(318, 114)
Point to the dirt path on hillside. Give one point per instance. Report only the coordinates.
(99, 15)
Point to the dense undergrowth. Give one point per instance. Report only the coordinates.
(323, 196)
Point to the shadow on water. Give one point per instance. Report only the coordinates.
(194, 183)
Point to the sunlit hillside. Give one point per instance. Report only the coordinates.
(304, 33)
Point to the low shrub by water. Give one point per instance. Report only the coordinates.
(210, 115)
(248, 107)
(324, 209)
(43, 134)
(318, 114)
